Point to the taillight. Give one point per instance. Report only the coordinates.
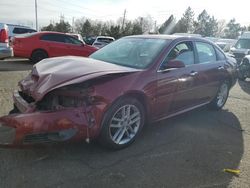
(4, 36)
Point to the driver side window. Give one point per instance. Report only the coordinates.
(182, 52)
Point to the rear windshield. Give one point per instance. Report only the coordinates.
(105, 40)
(19, 30)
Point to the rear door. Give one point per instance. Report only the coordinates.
(177, 88)
(211, 70)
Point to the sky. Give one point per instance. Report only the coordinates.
(23, 11)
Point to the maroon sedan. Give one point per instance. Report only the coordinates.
(110, 95)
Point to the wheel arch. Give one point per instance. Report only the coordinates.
(246, 58)
(141, 97)
(138, 95)
(37, 49)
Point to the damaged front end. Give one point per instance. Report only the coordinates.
(60, 100)
(70, 113)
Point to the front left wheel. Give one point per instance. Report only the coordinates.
(122, 123)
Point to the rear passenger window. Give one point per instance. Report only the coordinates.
(53, 37)
(206, 52)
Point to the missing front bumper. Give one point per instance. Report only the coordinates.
(59, 136)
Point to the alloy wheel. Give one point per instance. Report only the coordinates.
(222, 95)
(125, 124)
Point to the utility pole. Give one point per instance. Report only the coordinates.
(155, 30)
(73, 22)
(36, 15)
(123, 20)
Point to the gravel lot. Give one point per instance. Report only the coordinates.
(190, 150)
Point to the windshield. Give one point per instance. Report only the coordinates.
(243, 44)
(131, 52)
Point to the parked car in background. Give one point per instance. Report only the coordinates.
(99, 41)
(19, 29)
(110, 95)
(102, 41)
(225, 44)
(241, 48)
(246, 34)
(41, 45)
(5, 49)
(244, 68)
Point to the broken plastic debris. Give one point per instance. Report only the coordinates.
(233, 171)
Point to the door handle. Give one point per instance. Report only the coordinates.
(193, 73)
(220, 67)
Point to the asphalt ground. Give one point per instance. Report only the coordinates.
(189, 151)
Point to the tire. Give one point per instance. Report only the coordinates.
(221, 97)
(38, 55)
(119, 129)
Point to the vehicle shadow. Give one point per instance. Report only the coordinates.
(245, 85)
(15, 64)
(190, 150)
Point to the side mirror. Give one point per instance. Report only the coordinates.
(174, 64)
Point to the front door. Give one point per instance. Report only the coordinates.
(177, 88)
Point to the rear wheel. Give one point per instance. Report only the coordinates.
(122, 123)
(219, 101)
(38, 55)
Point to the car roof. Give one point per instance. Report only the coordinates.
(51, 32)
(169, 37)
(40, 33)
(16, 25)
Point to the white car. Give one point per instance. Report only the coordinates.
(5, 48)
(102, 41)
(15, 30)
(99, 41)
(242, 47)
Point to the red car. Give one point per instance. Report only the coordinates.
(111, 95)
(41, 45)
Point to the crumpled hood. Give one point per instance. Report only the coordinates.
(53, 73)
